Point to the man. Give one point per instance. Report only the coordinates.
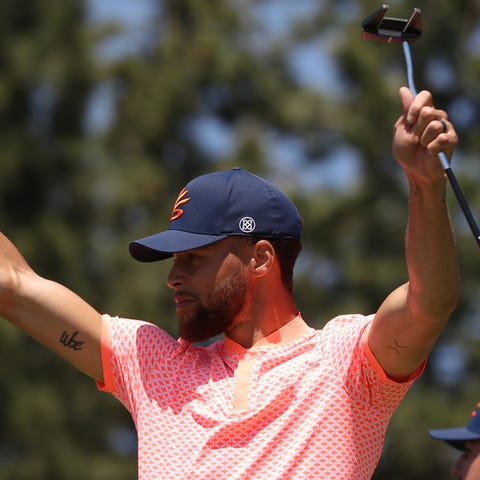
(273, 399)
(466, 439)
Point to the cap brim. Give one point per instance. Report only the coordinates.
(456, 437)
(162, 245)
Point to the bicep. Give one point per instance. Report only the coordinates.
(60, 320)
(400, 338)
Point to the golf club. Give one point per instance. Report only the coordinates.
(395, 30)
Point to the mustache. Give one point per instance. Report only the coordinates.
(182, 295)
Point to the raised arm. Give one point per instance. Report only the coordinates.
(410, 320)
(49, 312)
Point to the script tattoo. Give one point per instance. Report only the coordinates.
(397, 347)
(70, 341)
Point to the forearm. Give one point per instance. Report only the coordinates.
(430, 253)
(49, 312)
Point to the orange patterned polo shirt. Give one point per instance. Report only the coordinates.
(308, 405)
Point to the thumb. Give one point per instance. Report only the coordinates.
(406, 96)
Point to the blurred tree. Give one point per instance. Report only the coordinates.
(51, 426)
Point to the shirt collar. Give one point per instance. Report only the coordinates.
(287, 333)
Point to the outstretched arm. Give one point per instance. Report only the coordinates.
(49, 312)
(412, 317)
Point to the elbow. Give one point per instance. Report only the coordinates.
(436, 308)
(453, 304)
(445, 305)
(12, 291)
(449, 299)
(8, 293)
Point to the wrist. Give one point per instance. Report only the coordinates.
(428, 196)
(428, 185)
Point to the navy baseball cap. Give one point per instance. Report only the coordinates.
(456, 437)
(217, 205)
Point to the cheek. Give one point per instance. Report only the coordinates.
(232, 274)
(475, 466)
(208, 282)
(470, 464)
(231, 267)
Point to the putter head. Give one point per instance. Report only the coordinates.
(388, 29)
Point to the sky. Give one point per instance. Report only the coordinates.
(310, 63)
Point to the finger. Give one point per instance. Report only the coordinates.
(444, 125)
(439, 136)
(432, 119)
(421, 101)
(444, 142)
(435, 127)
(430, 133)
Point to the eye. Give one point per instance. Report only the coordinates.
(192, 258)
(188, 259)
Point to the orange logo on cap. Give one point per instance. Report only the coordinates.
(177, 212)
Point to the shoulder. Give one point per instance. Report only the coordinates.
(134, 333)
(347, 323)
(343, 333)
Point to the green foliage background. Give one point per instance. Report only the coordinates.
(72, 196)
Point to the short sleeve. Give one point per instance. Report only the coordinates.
(131, 350)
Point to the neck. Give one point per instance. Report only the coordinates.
(262, 319)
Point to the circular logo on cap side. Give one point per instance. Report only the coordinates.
(247, 224)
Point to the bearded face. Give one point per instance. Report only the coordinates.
(215, 314)
(211, 288)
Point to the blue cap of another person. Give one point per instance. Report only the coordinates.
(457, 437)
(217, 205)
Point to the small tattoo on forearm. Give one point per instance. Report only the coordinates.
(71, 341)
(397, 347)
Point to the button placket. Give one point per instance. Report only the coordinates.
(243, 384)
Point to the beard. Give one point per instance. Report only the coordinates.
(219, 311)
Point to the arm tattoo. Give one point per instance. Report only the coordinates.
(397, 348)
(71, 341)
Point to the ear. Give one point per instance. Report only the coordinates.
(264, 257)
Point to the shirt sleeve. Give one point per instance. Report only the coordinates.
(108, 384)
(131, 350)
(357, 368)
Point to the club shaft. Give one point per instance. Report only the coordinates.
(409, 63)
(463, 204)
(443, 158)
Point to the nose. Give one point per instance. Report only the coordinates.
(175, 276)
